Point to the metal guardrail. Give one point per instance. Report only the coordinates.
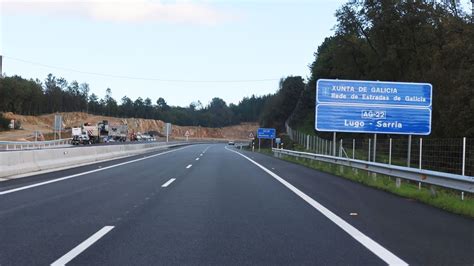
(32, 145)
(447, 180)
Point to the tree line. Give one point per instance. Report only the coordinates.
(33, 97)
(409, 41)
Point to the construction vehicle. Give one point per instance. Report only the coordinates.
(89, 133)
(118, 132)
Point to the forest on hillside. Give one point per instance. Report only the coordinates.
(33, 97)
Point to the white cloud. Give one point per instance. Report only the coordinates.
(122, 10)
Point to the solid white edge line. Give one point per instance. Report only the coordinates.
(85, 173)
(168, 182)
(83, 246)
(370, 244)
(189, 166)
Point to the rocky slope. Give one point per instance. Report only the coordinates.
(44, 124)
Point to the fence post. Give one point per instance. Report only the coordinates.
(340, 149)
(320, 145)
(464, 156)
(330, 148)
(334, 143)
(421, 153)
(368, 159)
(463, 161)
(390, 152)
(375, 146)
(353, 148)
(307, 142)
(409, 151)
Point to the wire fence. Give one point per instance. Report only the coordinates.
(448, 155)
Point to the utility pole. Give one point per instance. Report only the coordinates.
(472, 11)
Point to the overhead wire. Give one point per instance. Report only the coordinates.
(139, 78)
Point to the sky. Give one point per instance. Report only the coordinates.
(183, 51)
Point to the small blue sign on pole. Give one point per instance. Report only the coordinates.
(266, 133)
(373, 107)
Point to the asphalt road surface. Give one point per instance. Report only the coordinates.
(212, 204)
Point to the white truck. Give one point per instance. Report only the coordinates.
(89, 134)
(79, 136)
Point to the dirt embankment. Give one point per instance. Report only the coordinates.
(44, 124)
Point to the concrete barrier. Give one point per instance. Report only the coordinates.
(21, 162)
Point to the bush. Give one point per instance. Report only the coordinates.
(4, 123)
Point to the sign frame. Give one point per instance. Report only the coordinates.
(261, 133)
(383, 102)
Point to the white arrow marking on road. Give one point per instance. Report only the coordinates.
(83, 246)
(168, 182)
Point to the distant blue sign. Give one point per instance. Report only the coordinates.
(266, 133)
(363, 119)
(373, 107)
(374, 93)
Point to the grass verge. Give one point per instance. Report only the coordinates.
(446, 199)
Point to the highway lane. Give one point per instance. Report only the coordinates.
(219, 208)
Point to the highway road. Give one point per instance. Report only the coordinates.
(213, 204)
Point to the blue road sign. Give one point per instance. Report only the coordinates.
(374, 93)
(373, 107)
(266, 133)
(363, 119)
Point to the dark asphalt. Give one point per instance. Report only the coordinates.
(222, 210)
